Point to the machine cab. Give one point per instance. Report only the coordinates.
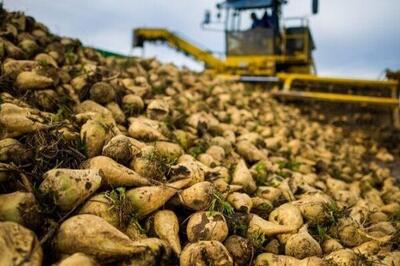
(255, 32)
(250, 36)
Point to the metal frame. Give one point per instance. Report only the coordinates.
(391, 102)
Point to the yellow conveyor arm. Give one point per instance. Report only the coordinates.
(159, 34)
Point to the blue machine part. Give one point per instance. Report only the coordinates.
(246, 4)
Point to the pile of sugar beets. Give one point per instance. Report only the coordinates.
(126, 161)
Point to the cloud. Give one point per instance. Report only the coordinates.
(353, 37)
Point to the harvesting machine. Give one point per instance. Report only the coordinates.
(277, 50)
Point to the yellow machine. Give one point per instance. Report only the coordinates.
(275, 50)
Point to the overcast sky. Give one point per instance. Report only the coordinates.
(354, 37)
